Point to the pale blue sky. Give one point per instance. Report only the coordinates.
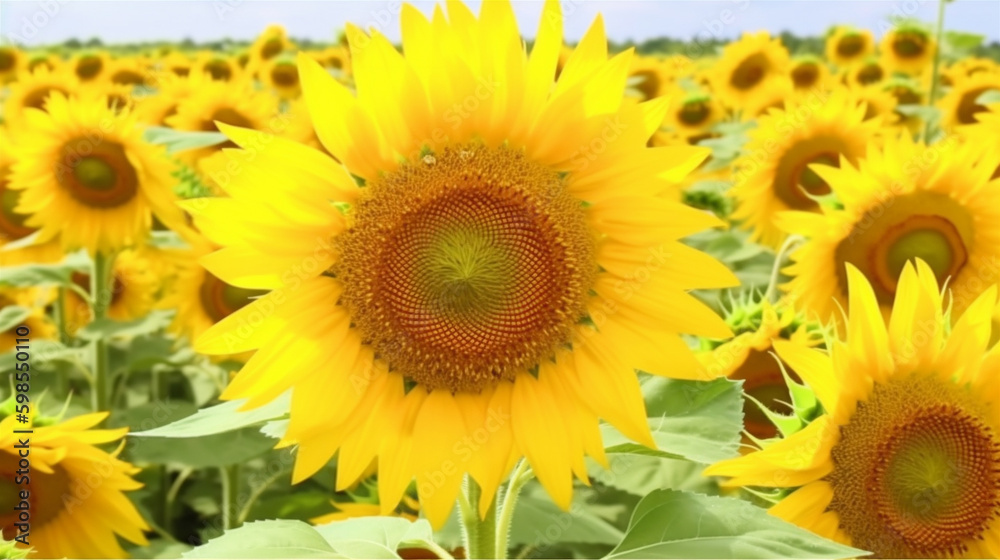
(53, 21)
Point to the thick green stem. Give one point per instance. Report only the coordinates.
(935, 78)
(480, 534)
(779, 258)
(230, 491)
(59, 310)
(521, 476)
(100, 292)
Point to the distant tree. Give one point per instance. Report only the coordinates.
(94, 43)
(73, 43)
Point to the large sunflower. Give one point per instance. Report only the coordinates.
(847, 46)
(775, 175)
(905, 461)
(504, 267)
(907, 49)
(76, 490)
(959, 106)
(88, 178)
(748, 67)
(902, 202)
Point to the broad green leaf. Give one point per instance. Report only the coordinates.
(641, 474)
(538, 521)
(961, 41)
(694, 420)
(41, 351)
(12, 316)
(672, 524)
(988, 97)
(230, 448)
(110, 328)
(275, 428)
(182, 140)
(279, 538)
(375, 537)
(160, 548)
(220, 419)
(45, 274)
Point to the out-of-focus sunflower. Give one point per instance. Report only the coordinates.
(691, 114)
(12, 226)
(32, 302)
(48, 61)
(750, 68)
(904, 461)
(31, 91)
(12, 63)
(748, 358)
(281, 74)
(116, 97)
(130, 71)
(269, 44)
(878, 103)
(132, 293)
(217, 66)
(647, 78)
(867, 72)
(171, 90)
(959, 105)
(775, 174)
(87, 177)
(809, 73)
(776, 95)
(983, 136)
(906, 92)
(967, 68)
(902, 202)
(200, 298)
(336, 58)
(907, 49)
(91, 66)
(847, 46)
(79, 506)
(177, 63)
(232, 103)
(466, 277)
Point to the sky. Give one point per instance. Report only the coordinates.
(34, 23)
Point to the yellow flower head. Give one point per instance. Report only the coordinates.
(847, 46)
(12, 63)
(750, 68)
(32, 302)
(904, 461)
(959, 105)
(907, 49)
(507, 264)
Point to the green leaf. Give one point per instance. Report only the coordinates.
(280, 538)
(12, 316)
(641, 474)
(694, 420)
(672, 524)
(109, 328)
(181, 140)
(988, 97)
(538, 521)
(961, 41)
(375, 537)
(41, 351)
(160, 548)
(220, 419)
(45, 274)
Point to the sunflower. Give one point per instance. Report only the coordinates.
(692, 114)
(336, 58)
(281, 74)
(959, 105)
(648, 78)
(983, 136)
(171, 91)
(48, 61)
(867, 72)
(904, 461)
(775, 95)
(178, 64)
(130, 71)
(116, 97)
(33, 302)
(902, 202)
(272, 42)
(878, 103)
(748, 357)
(32, 91)
(748, 67)
(809, 73)
(967, 68)
(907, 49)
(847, 46)
(71, 514)
(775, 172)
(12, 226)
(232, 103)
(88, 178)
(217, 66)
(91, 67)
(201, 298)
(12, 63)
(465, 289)
(906, 92)
(133, 291)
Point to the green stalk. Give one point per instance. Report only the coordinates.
(230, 491)
(521, 476)
(932, 96)
(100, 288)
(480, 534)
(59, 310)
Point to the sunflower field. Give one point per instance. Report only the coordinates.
(477, 296)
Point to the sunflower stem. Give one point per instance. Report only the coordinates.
(932, 95)
(100, 290)
(480, 533)
(230, 491)
(522, 474)
(59, 310)
(786, 247)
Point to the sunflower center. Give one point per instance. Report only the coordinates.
(127, 77)
(88, 67)
(46, 494)
(181, 71)
(967, 106)
(762, 380)
(271, 47)
(285, 75)
(933, 239)
(103, 179)
(335, 63)
(750, 72)
(694, 113)
(909, 45)
(805, 75)
(467, 267)
(915, 471)
(850, 46)
(11, 223)
(36, 98)
(869, 74)
(809, 181)
(6, 60)
(219, 70)
(220, 300)
(648, 83)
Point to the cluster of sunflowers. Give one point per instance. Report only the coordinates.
(448, 273)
